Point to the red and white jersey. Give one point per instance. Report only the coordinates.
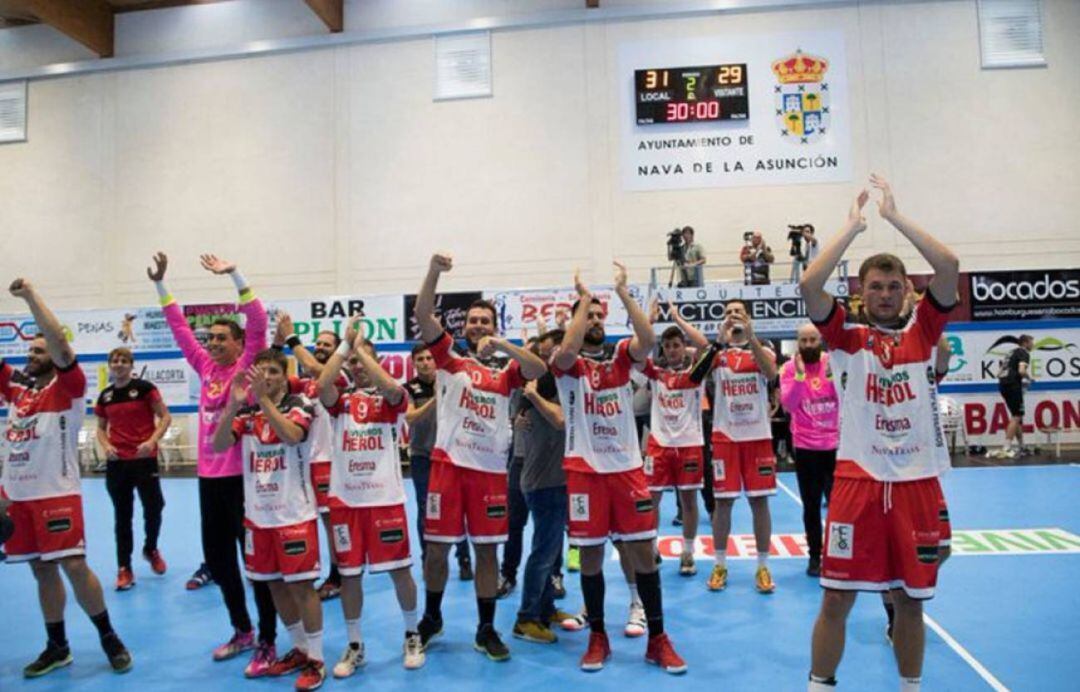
(598, 407)
(890, 425)
(473, 409)
(41, 438)
(318, 445)
(277, 486)
(675, 419)
(366, 467)
(741, 403)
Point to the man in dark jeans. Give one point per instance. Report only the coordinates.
(543, 484)
(421, 420)
(132, 417)
(515, 502)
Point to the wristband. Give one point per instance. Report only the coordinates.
(800, 377)
(277, 347)
(293, 341)
(344, 349)
(239, 281)
(164, 297)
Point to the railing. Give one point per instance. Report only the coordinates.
(779, 273)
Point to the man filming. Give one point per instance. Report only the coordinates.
(691, 268)
(801, 255)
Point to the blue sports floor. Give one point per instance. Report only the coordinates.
(1007, 613)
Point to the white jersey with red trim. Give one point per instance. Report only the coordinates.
(473, 409)
(319, 443)
(366, 467)
(741, 403)
(277, 483)
(675, 415)
(598, 407)
(41, 438)
(890, 424)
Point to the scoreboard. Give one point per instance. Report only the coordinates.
(691, 94)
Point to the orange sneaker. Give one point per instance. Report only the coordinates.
(157, 563)
(311, 676)
(292, 661)
(660, 652)
(763, 580)
(599, 651)
(124, 579)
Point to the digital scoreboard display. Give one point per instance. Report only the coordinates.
(691, 94)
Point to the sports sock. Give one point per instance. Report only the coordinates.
(296, 635)
(762, 559)
(819, 684)
(314, 645)
(433, 605)
(57, 635)
(635, 595)
(649, 585)
(720, 557)
(486, 609)
(592, 590)
(352, 628)
(410, 620)
(910, 684)
(101, 622)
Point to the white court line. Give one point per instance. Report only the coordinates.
(963, 653)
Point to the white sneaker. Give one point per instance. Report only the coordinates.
(414, 652)
(350, 660)
(636, 623)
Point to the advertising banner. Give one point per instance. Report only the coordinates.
(1025, 295)
(383, 317)
(521, 311)
(977, 351)
(450, 308)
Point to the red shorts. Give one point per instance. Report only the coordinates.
(748, 467)
(290, 552)
(461, 500)
(320, 481)
(47, 529)
(615, 505)
(374, 536)
(870, 549)
(673, 467)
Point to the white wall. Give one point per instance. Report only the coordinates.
(286, 163)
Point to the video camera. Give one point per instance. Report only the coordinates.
(795, 237)
(676, 248)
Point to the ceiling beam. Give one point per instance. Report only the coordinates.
(332, 12)
(90, 22)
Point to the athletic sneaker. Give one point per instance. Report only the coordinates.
(574, 623)
(259, 665)
(814, 568)
(51, 658)
(490, 644)
(351, 659)
(558, 587)
(599, 651)
(660, 652)
(636, 622)
(311, 676)
(414, 652)
(292, 661)
(240, 642)
(506, 587)
(533, 631)
(200, 578)
(429, 628)
(763, 580)
(465, 572)
(124, 579)
(328, 590)
(687, 568)
(573, 559)
(718, 579)
(119, 657)
(157, 563)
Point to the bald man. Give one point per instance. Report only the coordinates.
(808, 393)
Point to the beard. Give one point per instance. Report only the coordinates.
(322, 356)
(810, 355)
(595, 337)
(38, 369)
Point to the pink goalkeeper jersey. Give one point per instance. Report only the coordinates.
(813, 404)
(216, 380)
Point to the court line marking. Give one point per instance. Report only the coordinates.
(963, 653)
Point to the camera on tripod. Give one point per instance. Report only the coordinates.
(676, 247)
(795, 237)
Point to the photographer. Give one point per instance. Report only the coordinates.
(688, 256)
(801, 255)
(756, 257)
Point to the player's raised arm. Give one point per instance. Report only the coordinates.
(285, 334)
(643, 341)
(575, 332)
(224, 435)
(812, 283)
(945, 263)
(693, 334)
(430, 328)
(59, 349)
(379, 377)
(532, 366)
(328, 391)
(252, 308)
